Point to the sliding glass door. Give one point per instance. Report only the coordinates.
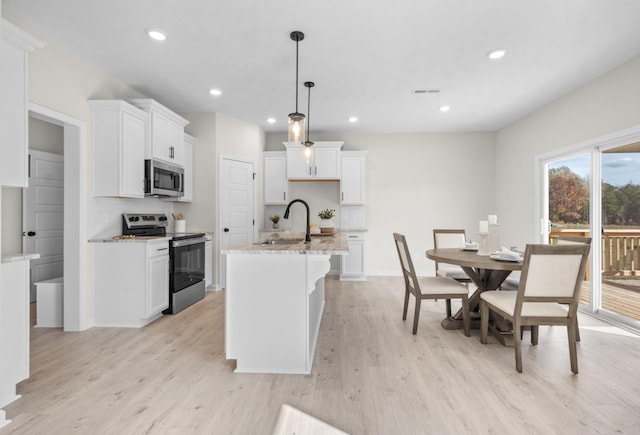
(595, 191)
(620, 190)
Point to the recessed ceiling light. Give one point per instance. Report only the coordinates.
(353, 119)
(445, 108)
(157, 34)
(215, 92)
(497, 54)
(271, 120)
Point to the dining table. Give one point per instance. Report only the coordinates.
(486, 273)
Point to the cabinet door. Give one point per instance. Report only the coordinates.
(14, 325)
(176, 143)
(208, 263)
(352, 181)
(275, 179)
(187, 164)
(297, 167)
(160, 130)
(158, 285)
(132, 163)
(13, 131)
(326, 162)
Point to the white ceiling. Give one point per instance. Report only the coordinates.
(365, 56)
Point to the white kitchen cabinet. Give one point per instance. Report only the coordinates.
(276, 185)
(131, 282)
(14, 326)
(208, 262)
(189, 142)
(14, 141)
(352, 178)
(352, 265)
(118, 148)
(324, 165)
(165, 132)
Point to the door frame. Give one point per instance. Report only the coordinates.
(77, 300)
(218, 263)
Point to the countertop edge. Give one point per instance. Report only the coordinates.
(14, 258)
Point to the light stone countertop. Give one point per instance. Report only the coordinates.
(335, 244)
(14, 258)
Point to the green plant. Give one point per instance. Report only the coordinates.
(327, 213)
(275, 218)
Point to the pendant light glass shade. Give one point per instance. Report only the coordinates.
(296, 119)
(296, 127)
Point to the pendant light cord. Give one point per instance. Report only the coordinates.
(297, 76)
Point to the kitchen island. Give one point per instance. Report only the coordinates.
(274, 301)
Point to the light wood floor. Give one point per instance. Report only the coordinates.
(370, 376)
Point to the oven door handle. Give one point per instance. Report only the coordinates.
(187, 242)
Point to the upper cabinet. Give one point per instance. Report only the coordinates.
(352, 179)
(189, 141)
(14, 141)
(118, 148)
(324, 165)
(165, 132)
(276, 189)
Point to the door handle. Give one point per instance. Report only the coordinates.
(226, 230)
(31, 233)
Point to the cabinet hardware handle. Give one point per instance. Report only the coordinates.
(316, 168)
(310, 170)
(161, 249)
(343, 196)
(284, 196)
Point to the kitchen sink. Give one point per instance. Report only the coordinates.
(279, 242)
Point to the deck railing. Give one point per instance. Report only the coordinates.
(620, 250)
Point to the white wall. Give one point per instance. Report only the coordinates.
(415, 183)
(218, 134)
(603, 106)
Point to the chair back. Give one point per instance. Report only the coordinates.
(408, 271)
(552, 273)
(448, 238)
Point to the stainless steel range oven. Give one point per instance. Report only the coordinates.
(186, 273)
(186, 256)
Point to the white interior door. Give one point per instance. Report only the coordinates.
(43, 217)
(237, 214)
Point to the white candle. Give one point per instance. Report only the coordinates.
(484, 227)
(493, 219)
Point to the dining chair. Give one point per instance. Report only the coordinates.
(450, 238)
(574, 240)
(430, 287)
(547, 295)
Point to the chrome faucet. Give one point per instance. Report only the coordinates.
(307, 236)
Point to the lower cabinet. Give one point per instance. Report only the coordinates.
(131, 282)
(208, 263)
(14, 329)
(352, 264)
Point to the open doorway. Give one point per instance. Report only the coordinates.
(43, 203)
(77, 303)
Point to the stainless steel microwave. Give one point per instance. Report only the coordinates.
(163, 179)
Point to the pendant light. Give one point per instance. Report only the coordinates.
(296, 119)
(308, 150)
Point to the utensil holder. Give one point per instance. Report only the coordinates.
(181, 226)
